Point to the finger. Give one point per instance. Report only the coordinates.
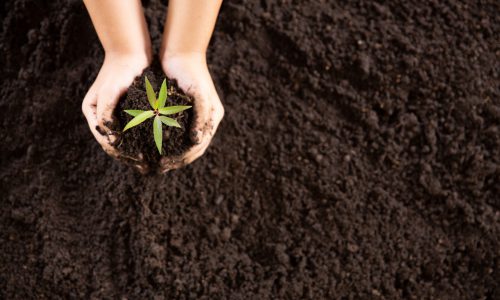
(197, 153)
(171, 163)
(107, 99)
(89, 111)
(198, 150)
(217, 116)
(202, 114)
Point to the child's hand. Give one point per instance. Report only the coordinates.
(191, 73)
(116, 75)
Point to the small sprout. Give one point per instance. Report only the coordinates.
(143, 116)
(169, 121)
(162, 96)
(159, 110)
(172, 109)
(150, 93)
(133, 112)
(157, 132)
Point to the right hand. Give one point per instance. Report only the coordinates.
(116, 75)
(192, 75)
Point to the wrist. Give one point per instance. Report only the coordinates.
(198, 57)
(133, 59)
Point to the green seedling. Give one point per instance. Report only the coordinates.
(158, 112)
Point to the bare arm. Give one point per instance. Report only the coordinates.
(122, 30)
(189, 26)
(121, 26)
(188, 29)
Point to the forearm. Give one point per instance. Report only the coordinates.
(189, 26)
(121, 27)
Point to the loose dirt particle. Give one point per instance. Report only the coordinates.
(291, 80)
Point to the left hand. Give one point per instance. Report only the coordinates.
(116, 75)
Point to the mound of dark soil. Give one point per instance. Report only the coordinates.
(359, 158)
(139, 140)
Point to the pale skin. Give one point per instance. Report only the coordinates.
(127, 46)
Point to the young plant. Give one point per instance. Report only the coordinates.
(158, 112)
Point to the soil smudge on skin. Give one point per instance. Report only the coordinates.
(139, 139)
(359, 158)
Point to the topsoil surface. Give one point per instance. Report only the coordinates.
(359, 158)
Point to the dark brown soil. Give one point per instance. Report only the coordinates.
(359, 158)
(139, 140)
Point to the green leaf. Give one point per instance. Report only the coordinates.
(162, 96)
(157, 133)
(139, 119)
(173, 109)
(150, 93)
(133, 112)
(169, 121)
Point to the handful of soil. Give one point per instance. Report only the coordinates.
(139, 139)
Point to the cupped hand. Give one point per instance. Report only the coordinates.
(192, 75)
(116, 75)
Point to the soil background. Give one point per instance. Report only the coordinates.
(359, 158)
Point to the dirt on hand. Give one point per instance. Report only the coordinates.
(359, 158)
(139, 140)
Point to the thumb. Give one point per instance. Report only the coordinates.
(107, 99)
(201, 120)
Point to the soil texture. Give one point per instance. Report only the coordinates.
(139, 139)
(359, 158)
